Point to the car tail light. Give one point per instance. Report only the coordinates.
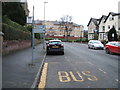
(48, 45)
(62, 45)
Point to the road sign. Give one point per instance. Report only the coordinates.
(39, 29)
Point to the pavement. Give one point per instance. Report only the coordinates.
(17, 71)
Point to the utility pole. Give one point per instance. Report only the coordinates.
(44, 27)
(32, 39)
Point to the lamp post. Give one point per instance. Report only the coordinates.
(44, 27)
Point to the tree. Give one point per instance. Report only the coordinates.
(14, 11)
(112, 35)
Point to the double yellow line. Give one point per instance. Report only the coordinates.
(42, 83)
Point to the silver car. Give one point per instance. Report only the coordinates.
(95, 44)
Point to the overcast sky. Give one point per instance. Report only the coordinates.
(80, 10)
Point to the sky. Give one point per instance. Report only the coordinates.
(80, 10)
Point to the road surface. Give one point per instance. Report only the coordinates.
(80, 67)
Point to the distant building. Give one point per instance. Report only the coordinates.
(58, 28)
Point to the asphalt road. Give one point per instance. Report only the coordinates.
(81, 67)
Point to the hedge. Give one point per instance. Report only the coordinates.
(13, 24)
(12, 33)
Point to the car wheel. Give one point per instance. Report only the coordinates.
(107, 51)
(88, 47)
(47, 53)
(93, 47)
(62, 53)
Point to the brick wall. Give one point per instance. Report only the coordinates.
(15, 45)
(72, 38)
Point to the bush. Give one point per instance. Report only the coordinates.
(104, 42)
(47, 39)
(84, 40)
(70, 40)
(11, 33)
(14, 24)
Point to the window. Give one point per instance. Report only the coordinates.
(112, 18)
(55, 33)
(103, 28)
(108, 26)
(119, 28)
(75, 28)
(119, 16)
(100, 36)
(60, 30)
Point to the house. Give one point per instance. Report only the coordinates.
(106, 23)
(102, 27)
(92, 27)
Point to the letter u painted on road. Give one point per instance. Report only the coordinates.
(74, 78)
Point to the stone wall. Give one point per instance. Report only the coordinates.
(11, 46)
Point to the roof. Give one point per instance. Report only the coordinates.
(74, 24)
(103, 17)
(95, 21)
(55, 22)
(113, 14)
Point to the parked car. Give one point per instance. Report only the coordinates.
(55, 46)
(112, 47)
(95, 44)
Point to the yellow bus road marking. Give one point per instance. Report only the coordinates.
(43, 77)
(102, 71)
(76, 76)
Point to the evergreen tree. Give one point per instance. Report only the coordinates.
(14, 11)
(112, 35)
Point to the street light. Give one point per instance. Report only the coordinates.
(44, 27)
(44, 10)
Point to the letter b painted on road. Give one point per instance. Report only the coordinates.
(64, 76)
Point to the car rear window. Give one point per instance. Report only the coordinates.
(96, 42)
(115, 43)
(55, 42)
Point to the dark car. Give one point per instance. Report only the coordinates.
(55, 46)
(112, 47)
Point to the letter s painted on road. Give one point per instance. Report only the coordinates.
(92, 78)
